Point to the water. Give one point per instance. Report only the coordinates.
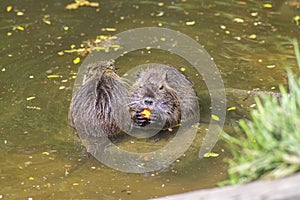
(40, 155)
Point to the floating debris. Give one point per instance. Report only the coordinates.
(9, 8)
(53, 76)
(110, 29)
(296, 19)
(46, 21)
(267, 5)
(160, 14)
(215, 117)
(20, 28)
(30, 98)
(254, 14)
(238, 20)
(160, 4)
(223, 27)
(252, 36)
(19, 13)
(79, 3)
(33, 107)
(190, 23)
(101, 43)
(76, 60)
(46, 153)
(270, 66)
(231, 108)
(211, 154)
(66, 28)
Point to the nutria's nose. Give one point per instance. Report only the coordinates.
(148, 101)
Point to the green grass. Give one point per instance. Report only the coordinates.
(268, 145)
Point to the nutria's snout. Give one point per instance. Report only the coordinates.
(147, 116)
(148, 101)
(150, 112)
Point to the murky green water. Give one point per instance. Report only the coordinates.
(40, 155)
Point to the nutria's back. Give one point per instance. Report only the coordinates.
(98, 107)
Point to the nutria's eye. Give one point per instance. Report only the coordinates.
(161, 87)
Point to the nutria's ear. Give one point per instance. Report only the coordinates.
(168, 75)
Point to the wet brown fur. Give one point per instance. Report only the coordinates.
(95, 107)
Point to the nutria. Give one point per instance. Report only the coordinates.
(95, 109)
(162, 97)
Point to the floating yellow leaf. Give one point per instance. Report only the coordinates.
(223, 27)
(238, 20)
(75, 184)
(211, 154)
(79, 3)
(271, 66)
(53, 76)
(268, 5)
(254, 14)
(182, 69)
(66, 28)
(190, 23)
(21, 28)
(252, 105)
(31, 178)
(76, 60)
(160, 14)
(215, 117)
(160, 4)
(46, 153)
(231, 108)
(46, 21)
(297, 19)
(252, 36)
(20, 13)
(33, 107)
(110, 29)
(9, 8)
(30, 98)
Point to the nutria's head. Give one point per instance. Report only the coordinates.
(152, 101)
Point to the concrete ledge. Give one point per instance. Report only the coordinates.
(282, 189)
